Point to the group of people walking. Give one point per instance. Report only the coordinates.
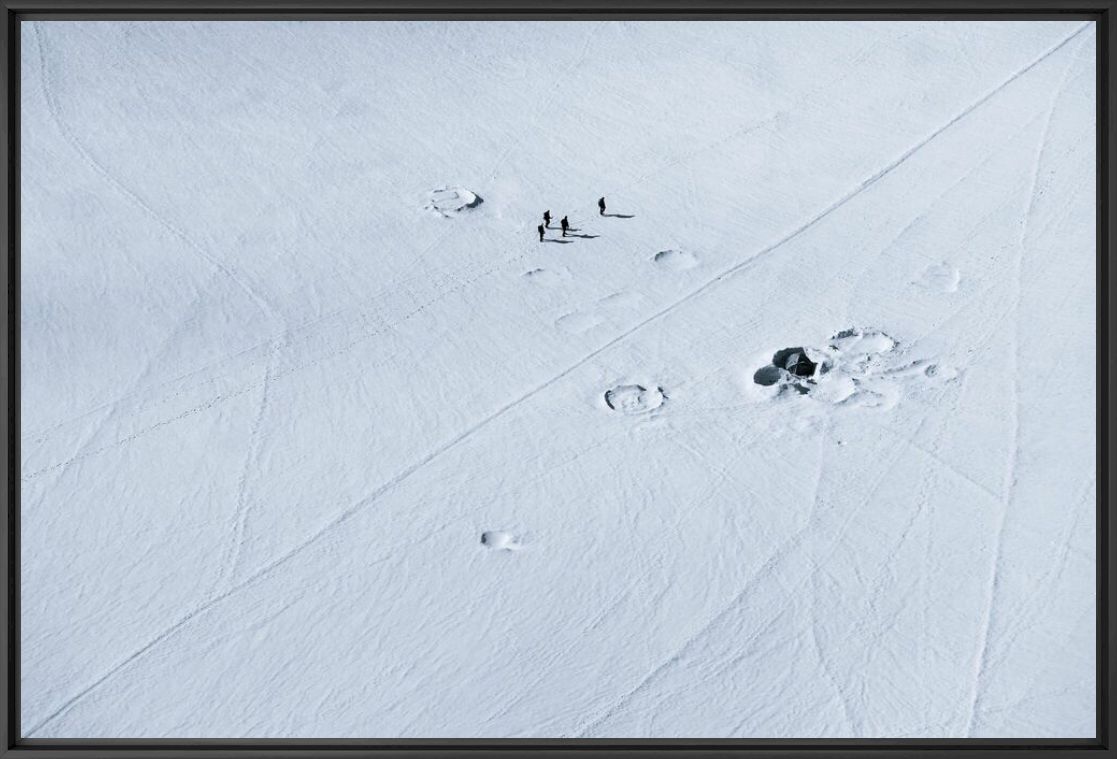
(564, 222)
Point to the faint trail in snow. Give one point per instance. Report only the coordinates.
(843, 699)
(1086, 495)
(231, 557)
(104, 173)
(155, 641)
(269, 568)
(98, 168)
(781, 555)
(722, 475)
(381, 326)
(981, 674)
(171, 339)
(924, 506)
(554, 90)
(870, 269)
(932, 454)
(304, 326)
(847, 67)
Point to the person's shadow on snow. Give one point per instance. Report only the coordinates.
(586, 237)
(619, 215)
(560, 242)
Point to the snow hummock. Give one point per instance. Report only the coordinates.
(448, 201)
(678, 260)
(634, 399)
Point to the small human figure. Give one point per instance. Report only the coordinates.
(547, 219)
(540, 228)
(601, 205)
(565, 225)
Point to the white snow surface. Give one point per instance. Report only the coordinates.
(315, 440)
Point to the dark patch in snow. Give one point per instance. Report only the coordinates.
(767, 375)
(795, 361)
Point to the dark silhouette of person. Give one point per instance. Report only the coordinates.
(565, 225)
(547, 219)
(601, 206)
(540, 228)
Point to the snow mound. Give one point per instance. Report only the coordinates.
(577, 322)
(542, 276)
(448, 201)
(620, 300)
(857, 368)
(499, 540)
(634, 399)
(941, 277)
(676, 260)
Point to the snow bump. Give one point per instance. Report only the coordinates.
(499, 540)
(675, 260)
(448, 201)
(634, 399)
(941, 277)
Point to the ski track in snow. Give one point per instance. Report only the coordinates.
(381, 325)
(83, 450)
(988, 617)
(785, 553)
(231, 559)
(778, 557)
(120, 187)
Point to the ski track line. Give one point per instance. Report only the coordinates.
(748, 263)
(99, 169)
(43, 433)
(922, 505)
(864, 272)
(947, 466)
(722, 473)
(104, 173)
(381, 327)
(231, 557)
(776, 558)
(1054, 573)
(554, 92)
(843, 699)
(854, 60)
(921, 730)
(779, 556)
(111, 408)
(833, 546)
(982, 660)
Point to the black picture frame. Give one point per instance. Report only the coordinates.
(15, 11)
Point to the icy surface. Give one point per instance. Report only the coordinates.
(317, 443)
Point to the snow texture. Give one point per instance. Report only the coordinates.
(319, 440)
